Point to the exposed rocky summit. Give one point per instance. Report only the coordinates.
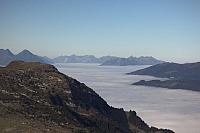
(181, 76)
(35, 97)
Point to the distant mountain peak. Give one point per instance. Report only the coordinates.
(131, 57)
(7, 51)
(25, 52)
(143, 60)
(6, 56)
(108, 60)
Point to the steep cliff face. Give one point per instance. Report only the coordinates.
(35, 97)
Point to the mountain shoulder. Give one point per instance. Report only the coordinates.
(36, 94)
(180, 76)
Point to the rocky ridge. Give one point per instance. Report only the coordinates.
(180, 76)
(36, 97)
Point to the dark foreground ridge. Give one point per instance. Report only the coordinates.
(181, 76)
(35, 97)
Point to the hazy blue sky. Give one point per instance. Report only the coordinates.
(165, 29)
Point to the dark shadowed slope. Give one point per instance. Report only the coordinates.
(172, 70)
(35, 97)
(182, 76)
(193, 85)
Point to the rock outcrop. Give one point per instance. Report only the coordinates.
(36, 97)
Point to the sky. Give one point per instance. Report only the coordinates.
(165, 29)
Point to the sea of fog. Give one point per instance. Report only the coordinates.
(178, 110)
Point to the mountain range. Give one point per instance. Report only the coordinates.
(180, 76)
(143, 60)
(108, 60)
(82, 59)
(6, 56)
(36, 97)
